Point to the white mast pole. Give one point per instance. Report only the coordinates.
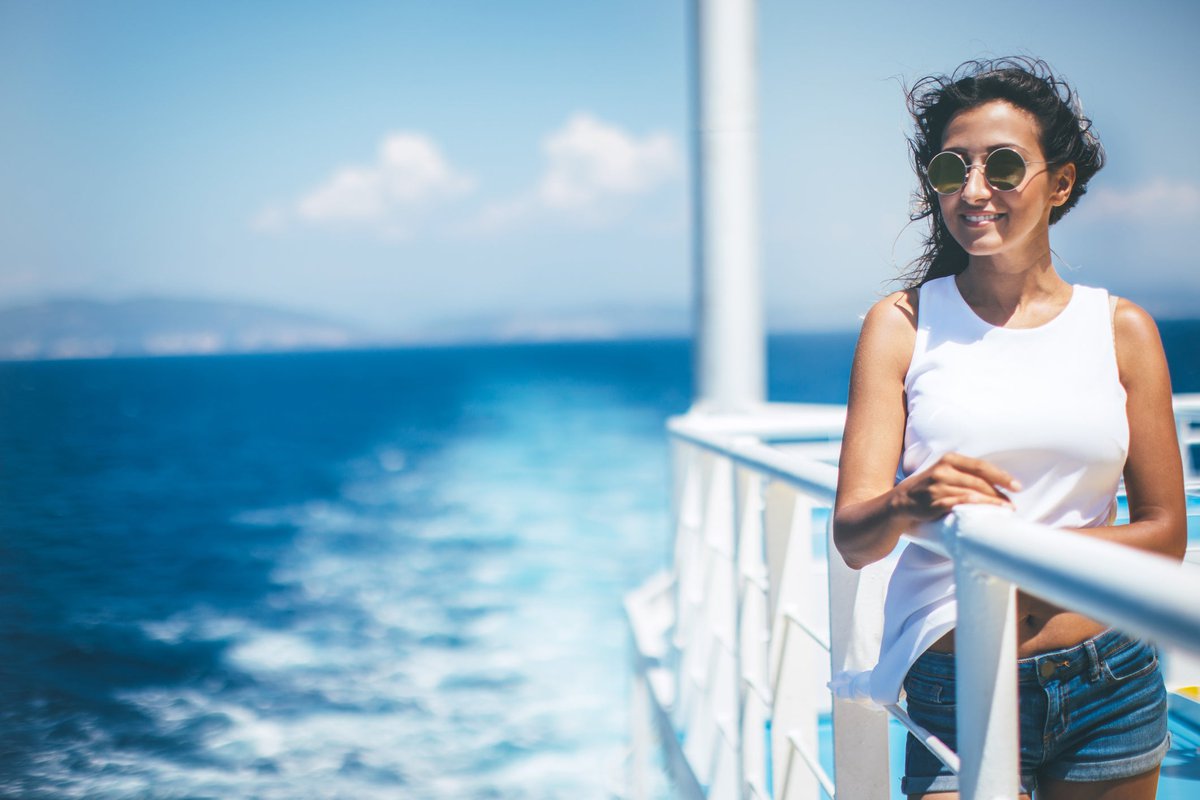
(729, 332)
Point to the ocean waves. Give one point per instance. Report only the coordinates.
(444, 621)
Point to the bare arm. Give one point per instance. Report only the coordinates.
(872, 511)
(1153, 471)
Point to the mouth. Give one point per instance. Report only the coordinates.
(980, 219)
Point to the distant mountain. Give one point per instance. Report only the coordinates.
(160, 326)
(58, 329)
(584, 324)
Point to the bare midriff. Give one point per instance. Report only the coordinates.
(1041, 628)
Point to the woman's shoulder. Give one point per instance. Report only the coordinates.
(889, 329)
(1134, 330)
(1139, 348)
(1131, 321)
(895, 313)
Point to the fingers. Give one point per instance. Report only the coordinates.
(948, 478)
(938, 503)
(985, 470)
(955, 480)
(947, 503)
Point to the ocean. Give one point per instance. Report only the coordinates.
(344, 574)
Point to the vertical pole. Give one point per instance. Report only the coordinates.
(728, 317)
(794, 667)
(753, 632)
(986, 678)
(637, 782)
(860, 733)
(1183, 432)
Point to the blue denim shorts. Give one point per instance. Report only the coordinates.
(1092, 712)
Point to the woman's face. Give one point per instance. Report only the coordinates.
(988, 222)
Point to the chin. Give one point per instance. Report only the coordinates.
(979, 247)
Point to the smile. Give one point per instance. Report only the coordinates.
(978, 218)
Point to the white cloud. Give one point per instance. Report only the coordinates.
(1161, 200)
(588, 160)
(352, 193)
(589, 168)
(591, 171)
(409, 175)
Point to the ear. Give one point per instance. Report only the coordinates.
(1063, 183)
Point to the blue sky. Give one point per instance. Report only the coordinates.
(403, 164)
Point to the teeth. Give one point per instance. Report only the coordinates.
(981, 217)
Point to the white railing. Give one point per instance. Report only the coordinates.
(1187, 424)
(737, 642)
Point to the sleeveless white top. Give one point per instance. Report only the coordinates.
(1045, 404)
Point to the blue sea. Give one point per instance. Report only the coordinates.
(343, 575)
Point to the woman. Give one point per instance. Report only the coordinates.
(993, 381)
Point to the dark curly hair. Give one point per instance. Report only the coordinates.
(1028, 84)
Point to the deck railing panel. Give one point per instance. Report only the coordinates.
(1187, 424)
(759, 622)
(793, 659)
(860, 733)
(753, 632)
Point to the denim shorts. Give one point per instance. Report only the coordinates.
(1092, 712)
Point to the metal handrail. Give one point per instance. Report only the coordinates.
(1040, 559)
(815, 478)
(1150, 594)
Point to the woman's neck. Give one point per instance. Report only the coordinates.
(1013, 297)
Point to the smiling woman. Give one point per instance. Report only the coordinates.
(993, 381)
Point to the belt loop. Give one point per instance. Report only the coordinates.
(1093, 659)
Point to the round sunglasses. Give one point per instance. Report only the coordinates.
(1003, 169)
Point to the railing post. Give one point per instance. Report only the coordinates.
(707, 704)
(789, 545)
(641, 719)
(689, 572)
(1183, 430)
(986, 677)
(753, 632)
(860, 733)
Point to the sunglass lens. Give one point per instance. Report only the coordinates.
(1005, 169)
(947, 173)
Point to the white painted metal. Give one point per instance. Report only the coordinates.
(932, 743)
(793, 661)
(641, 716)
(1187, 421)
(860, 733)
(651, 613)
(753, 631)
(821, 639)
(986, 686)
(815, 479)
(1149, 594)
(809, 758)
(729, 332)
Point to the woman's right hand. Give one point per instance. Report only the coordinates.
(953, 480)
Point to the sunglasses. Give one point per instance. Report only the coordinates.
(1003, 169)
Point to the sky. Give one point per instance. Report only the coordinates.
(411, 164)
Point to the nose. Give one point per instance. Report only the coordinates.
(976, 190)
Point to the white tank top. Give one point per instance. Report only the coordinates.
(1046, 404)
